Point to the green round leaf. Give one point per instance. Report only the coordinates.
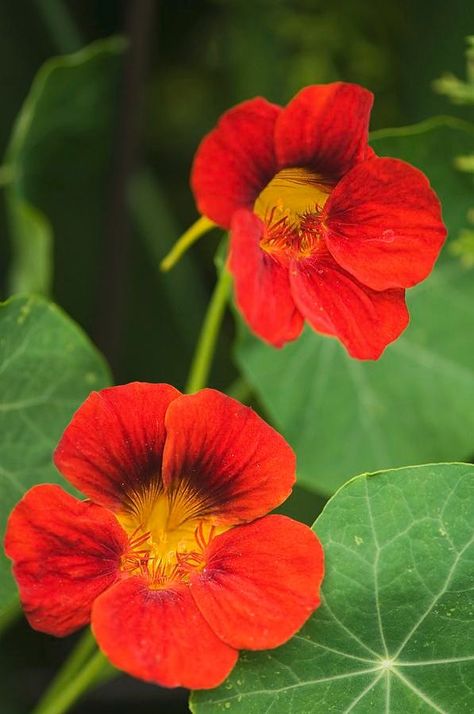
(345, 416)
(47, 368)
(395, 631)
(58, 161)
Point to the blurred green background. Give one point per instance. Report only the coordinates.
(187, 61)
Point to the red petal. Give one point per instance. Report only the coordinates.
(114, 442)
(364, 320)
(262, 285)
(65, 553)
(384, 224)
(160, 636)
(325, 127)
(235, 160)
(236, 464)
(261, 582)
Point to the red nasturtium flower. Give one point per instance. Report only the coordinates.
(322, 229)
(170, 560)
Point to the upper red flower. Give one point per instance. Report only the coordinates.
(170, 558)
(321, 228)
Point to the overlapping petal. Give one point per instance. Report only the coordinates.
(237, 465)
(114, 443)
(365, 320)
(261, 582)
(324, 127)
(157, 611)
(160, 636)
(383, 224)
(262, 284)
(65, 553)
(235, 160)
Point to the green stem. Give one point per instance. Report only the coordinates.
(201, 226)
(58, 700)
(202, 359)
(79, 655)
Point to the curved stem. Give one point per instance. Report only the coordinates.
(202, 360)
(79, 655)
(201, 226)
(58, 699)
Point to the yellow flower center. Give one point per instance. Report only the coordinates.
(290, 207)
(167, 534)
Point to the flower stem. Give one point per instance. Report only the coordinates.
(201, 226)
(202, 359)
(79, 655)
(65, 691)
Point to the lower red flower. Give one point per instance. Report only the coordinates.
(170, 560)
(321, 229)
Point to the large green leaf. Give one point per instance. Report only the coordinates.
(58, 160)
(47, 368)
(343, 416)
(395, 631)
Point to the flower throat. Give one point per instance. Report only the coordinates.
(290, 207)
(168, 534)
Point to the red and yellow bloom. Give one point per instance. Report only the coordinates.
(170, 559)
(322, 229)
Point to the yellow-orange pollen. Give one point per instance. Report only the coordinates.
(168, 535)
(291, 207)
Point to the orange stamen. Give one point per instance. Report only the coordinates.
(167, 538)
(291, 208)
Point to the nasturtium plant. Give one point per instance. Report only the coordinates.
(144, 513)
(407, 406)
(47, 368)
(395, 631)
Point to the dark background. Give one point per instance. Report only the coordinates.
(188, 61)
